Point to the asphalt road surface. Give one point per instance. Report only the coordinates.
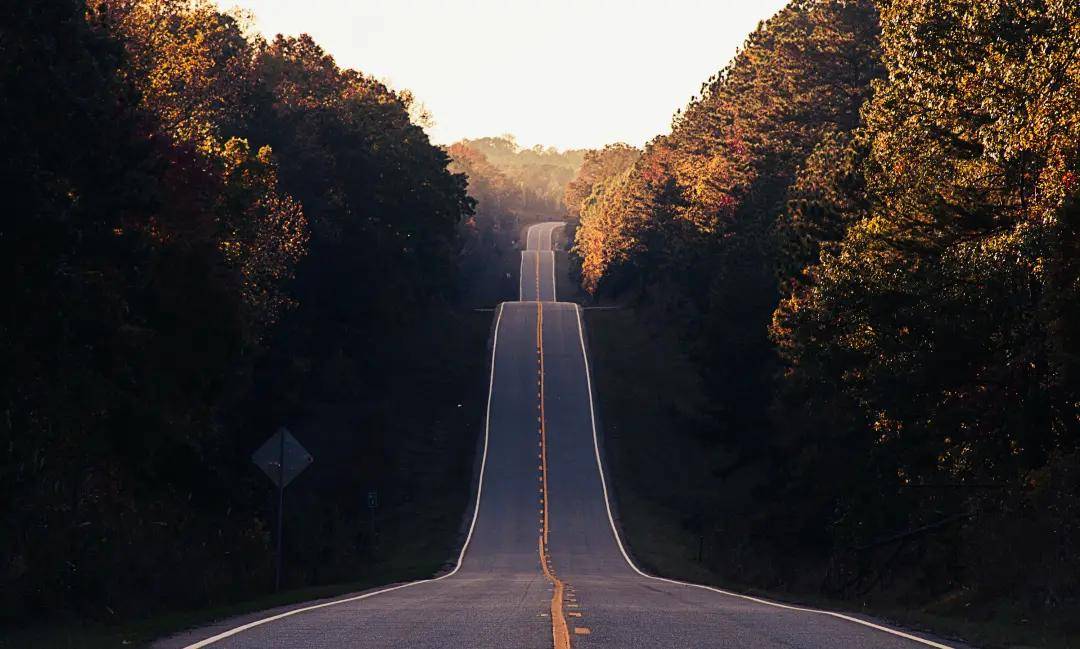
(536, 279)
(543, 566)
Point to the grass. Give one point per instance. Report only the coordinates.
(654, 412)
(141, 633)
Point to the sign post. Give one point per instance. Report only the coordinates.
(373, 503)
(281, 458)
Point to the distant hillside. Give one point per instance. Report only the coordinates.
(533, 180)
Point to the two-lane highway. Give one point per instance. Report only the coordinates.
(536, 278)
(543, 565)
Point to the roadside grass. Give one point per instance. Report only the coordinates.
(567, 270)
(566, 289)
(144, 632)
(653, 412)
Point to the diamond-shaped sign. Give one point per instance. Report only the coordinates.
(282, 458)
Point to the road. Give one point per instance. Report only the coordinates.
(536, 278)
(542, 566)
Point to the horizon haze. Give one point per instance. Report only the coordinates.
(566, 74)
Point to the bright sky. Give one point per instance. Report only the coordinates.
(564, 73)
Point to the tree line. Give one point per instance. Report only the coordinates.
(864, 231)
(208, 235)
(512, 186)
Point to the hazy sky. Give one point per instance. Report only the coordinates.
(565, 73)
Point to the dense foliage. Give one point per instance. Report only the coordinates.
(208, 236)
(535, 177)
(599, 199)
(865, 232)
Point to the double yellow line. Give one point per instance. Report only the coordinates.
(560, 633)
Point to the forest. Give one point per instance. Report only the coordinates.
(838, 355)
(211, 235)
(863, 237)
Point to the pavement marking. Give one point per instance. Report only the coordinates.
(539, 297)
(461, 556)
(553, 285)
(574, 614)
(582, 630)
(521, 280)
(560, 634)
(543, 426)
(758, 600)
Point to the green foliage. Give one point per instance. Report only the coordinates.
(598, 166)
(532, 180)
(207, 236)
(932, 315)
(864, 230)
(498, 201)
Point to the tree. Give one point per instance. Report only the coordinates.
(598, 166)
(170, 176)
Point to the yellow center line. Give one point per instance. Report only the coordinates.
(538, 296)
(543, 422)
(560, 632)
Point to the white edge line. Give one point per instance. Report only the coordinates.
(472, 525)
(554, 288)
(521, 272)
(521, 279)
(618, 541)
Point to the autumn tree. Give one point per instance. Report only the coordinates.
(598, 166)
(213, 233)
(931, 317)
(124, 324)
(194, 71)
(708, 195)
(864, 231)
(535, 177)
(495, 196)
(718, 218)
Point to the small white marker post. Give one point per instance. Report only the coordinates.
(281, 458)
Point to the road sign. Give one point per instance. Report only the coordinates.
(282, 458)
